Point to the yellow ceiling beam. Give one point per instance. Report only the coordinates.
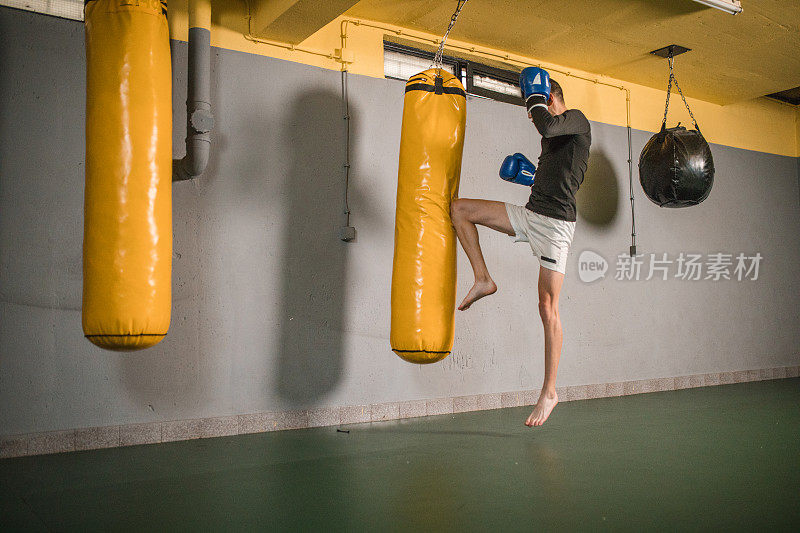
(293, 21)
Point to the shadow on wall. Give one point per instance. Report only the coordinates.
(598, 196)
(310, 349)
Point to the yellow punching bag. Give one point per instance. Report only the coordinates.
(127, 238)
(424, 273)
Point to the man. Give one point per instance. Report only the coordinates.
(546, 222)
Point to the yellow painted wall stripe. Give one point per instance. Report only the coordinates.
(797, 130)
(200, 14)
(761, 124)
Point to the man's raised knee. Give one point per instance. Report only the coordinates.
(458, 209)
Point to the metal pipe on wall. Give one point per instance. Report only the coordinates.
(199, 119)
(346, 232)
(632, 249)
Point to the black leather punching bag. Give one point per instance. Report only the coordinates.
(676, 168)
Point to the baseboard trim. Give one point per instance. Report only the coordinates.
(177, 430)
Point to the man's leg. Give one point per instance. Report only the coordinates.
(550, 283)
(465, 214)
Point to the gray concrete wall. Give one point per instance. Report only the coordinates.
(271, 311)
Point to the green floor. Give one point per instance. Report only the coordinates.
(717, 458)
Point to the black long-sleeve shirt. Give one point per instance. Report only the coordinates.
(565, 154)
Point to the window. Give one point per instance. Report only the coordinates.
(68, 9)
(401, 62)
(494, 83)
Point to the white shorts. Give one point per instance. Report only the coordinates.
(550, 238)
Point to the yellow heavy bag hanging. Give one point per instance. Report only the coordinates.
(424, 274)
(127, 239)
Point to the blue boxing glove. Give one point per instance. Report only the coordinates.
(517, 169)
(535, 85)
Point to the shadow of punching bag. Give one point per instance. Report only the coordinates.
(598, 197)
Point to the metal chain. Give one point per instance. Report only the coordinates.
(669, 89)
(437, 59)
(673, 79)
(687, 105)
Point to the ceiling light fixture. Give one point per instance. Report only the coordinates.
(733, 7)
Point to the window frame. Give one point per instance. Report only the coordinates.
(422, 54)
(507, 76)
(465, 70)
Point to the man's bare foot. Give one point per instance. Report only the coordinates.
(542, 409)
(478, 291)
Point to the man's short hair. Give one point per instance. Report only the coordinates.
(555, 90)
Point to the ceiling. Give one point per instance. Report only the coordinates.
(733, 58)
